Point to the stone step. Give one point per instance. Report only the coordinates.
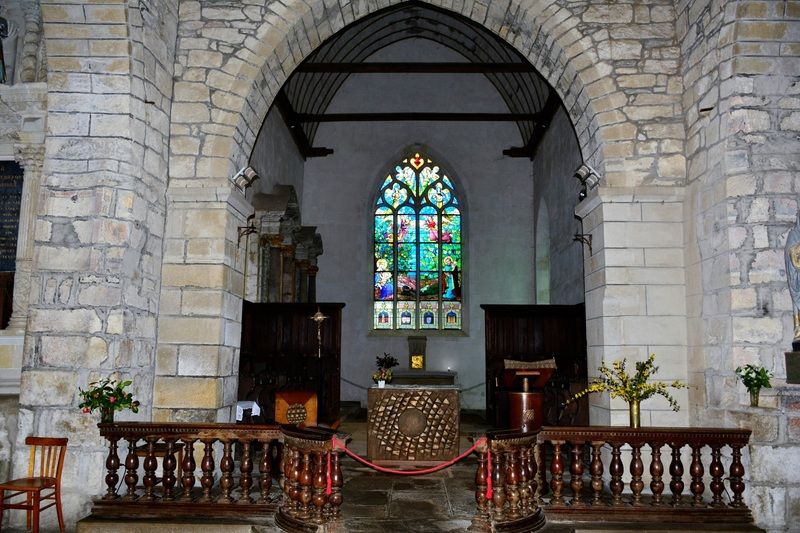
(100, 525)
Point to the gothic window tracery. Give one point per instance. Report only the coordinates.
(418, 238)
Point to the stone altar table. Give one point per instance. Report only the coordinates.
(412, 424)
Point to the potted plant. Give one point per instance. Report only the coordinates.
(632, 389)
(754, 378)
(107, 395)
(384, 373)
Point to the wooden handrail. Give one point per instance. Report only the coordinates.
(570, 452)
(237, 465)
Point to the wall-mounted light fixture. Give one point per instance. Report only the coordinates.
(244, 178)
(589, 179)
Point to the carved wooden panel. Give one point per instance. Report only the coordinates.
(412, 423)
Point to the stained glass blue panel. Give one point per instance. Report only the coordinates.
(447, 182)
(406, 228)
(406, 315)
(427, 210)
(383, 228)
(386, 182)
(429, 315)
(384, 286)
(429, 256)
(395, 195)
(429, 285)
(427, 176)
(407, 257)
(405, 210)
(452, 315)
(383, 257)
(451, 228)
(383, 315)
(439, 195)
(428, 228)
(407, 286)
(383, 210)
(451, 210)
(451, 256)
(407, 176)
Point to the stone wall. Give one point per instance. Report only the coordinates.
(740, 72)
(555, 189)
(97, 261)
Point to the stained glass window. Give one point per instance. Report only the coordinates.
(417, 248)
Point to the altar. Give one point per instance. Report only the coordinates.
(416, 424)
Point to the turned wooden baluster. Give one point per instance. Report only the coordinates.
(207, 466)
(512, 483)
(596, 470)
(737, 476)
(265, 469)
(656, 473)
(676, 471)
(637, 469)
(294, 480)
(226, 466)
(533, 471)
(615, 469)
(168, 466)
(246, 479)
(187, 466)
(337, 482)
(131, 469)
(319, 499)
(525, 492)
(717, 471)
(112, 465)
(481, 476)
(696, 471)
(557, 474)
(576, 474)
(498, 486)
(150, 464)
(540, 471)
(306, 480)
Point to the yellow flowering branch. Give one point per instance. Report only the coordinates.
(619, 384)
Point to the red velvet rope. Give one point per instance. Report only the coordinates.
(340, 445)
(489, 491)
(328, 484)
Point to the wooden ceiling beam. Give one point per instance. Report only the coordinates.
(415, 68)
(415, 116)
(290, 116)
(546, 117)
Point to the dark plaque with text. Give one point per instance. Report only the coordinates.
(10, 198)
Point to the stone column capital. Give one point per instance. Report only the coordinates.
(30, 156)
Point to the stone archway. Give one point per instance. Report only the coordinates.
(252, 52)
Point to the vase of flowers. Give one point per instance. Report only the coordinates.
(107, 395)
(754, 377)
(633, 389)
(383, 375)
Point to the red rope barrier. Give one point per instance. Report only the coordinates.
(489, 491)
(338, 444)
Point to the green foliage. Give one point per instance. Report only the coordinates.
(108, 393)
(616, 381)
(385, 364)
(754, 377)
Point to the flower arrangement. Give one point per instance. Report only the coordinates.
(632, 389)
(385, 365)
(754, 378)
(108, 395)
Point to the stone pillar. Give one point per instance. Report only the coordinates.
(302, 267)
(273, 268)
(635, 292)
(31, 158)
(287, 279)
(312, 283)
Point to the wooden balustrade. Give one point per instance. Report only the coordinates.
(227, 483)
(576, 451)
(507, 462)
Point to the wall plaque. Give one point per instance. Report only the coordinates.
(10, 198)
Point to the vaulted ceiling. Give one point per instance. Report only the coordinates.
(305, 97)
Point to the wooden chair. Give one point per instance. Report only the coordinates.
(44, 474)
